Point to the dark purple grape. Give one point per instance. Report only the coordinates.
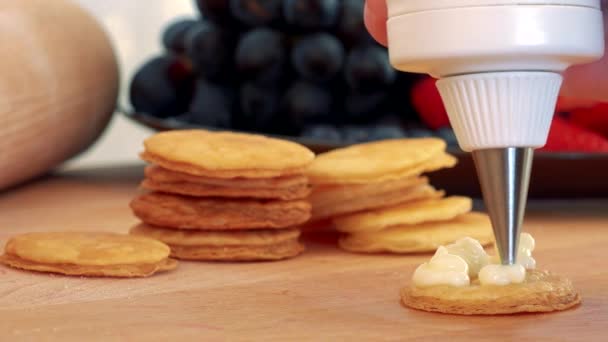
(259, 107)
(448, 135)
(256, 12)
(211, 105)
(161, 87)
(311, 14)
(260, 56)
(382, 132)
(184, 118)
(174, 36)
(216, 10)
(322, 132)
(351, 28)
(368, 69)
(210, 48)
(354, 134)
(399, 102)
(318, 57)
(362, 108)
(419, 133)
(306, 102)
(389, 119)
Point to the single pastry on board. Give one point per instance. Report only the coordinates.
(88, 254)
(462, 279)
(223, 196)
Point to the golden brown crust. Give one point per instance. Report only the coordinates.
(226, 174)
(377, 161)
(410, 213)
(323, 195)
(86, 248)
(541, 292)
(442, 161)
(315, 226)
(200, 190)
(119, 271)
(283, 250)
(162, 175)
(225, 154)
(425, 237)
(259, 237)
(373, 201)
(174, 211)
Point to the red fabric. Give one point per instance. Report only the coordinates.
(565, 136)
(594, 118)
(427, 102)
(585, 131)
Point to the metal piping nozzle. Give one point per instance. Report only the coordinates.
(504, 175)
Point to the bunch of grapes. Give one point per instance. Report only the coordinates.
(292, 67)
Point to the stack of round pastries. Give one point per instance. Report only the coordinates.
(377, 195)
(224, 196)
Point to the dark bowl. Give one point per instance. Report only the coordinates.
(554, 175)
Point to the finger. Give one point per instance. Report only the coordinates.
(587, 82)
(375, 20)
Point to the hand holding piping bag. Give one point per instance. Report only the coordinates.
(585, 88)
(586, 82)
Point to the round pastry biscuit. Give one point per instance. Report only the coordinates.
(216, 238)
(82, 248)
(226, 154)
(166, 210)
(540, 292)
(284, 188)
(91, 254)
(443, 161)
(377, 161)
(279, 251)
(410, 213)
(117, 271)
(201, 190)
(373, 201)
(323, 195)
(424, 237)
(162, 175)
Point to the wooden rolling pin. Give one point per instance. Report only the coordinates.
(58, 85)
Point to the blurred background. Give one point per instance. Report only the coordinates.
(319, 77)
(303, 69)
(135, 29)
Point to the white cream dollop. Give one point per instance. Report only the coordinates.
(456, 264)
(524, 253)
(502, 274)
(472, 252)
(443, 269)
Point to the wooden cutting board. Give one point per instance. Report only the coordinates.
(325, 294)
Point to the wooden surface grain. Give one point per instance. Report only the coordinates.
(325, 294)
